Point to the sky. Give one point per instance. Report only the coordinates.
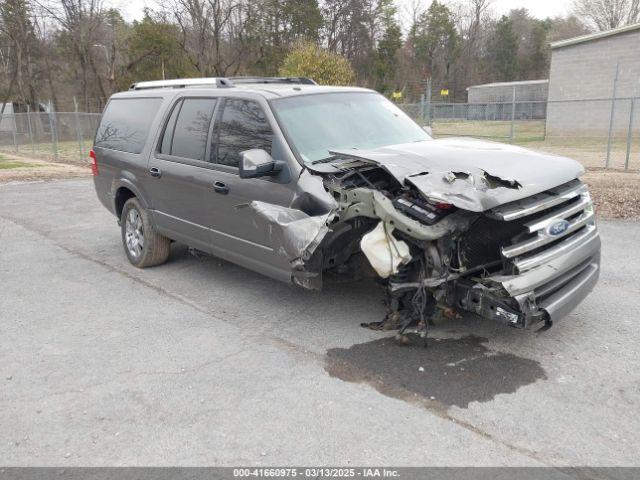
(537, 8)
(133, 9)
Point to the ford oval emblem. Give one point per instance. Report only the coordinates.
(557, 228)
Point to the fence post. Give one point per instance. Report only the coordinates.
(428, 99)
(52, 127)
(31, 140)
(78, 131)
(15, 133)
(513, 114)
(545, 111)
(613, 108)
(629, 134)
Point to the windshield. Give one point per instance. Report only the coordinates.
(318, 123)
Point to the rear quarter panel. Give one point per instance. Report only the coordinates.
(118, 169)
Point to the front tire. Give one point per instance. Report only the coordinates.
(143, 245)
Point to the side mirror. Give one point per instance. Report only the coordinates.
(427, 129)
(256, 163)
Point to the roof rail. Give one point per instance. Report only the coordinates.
(219, 82)
(292, 80)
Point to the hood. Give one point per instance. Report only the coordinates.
(471, 174)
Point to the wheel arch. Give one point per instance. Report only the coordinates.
(124, 190)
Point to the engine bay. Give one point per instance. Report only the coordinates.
(449, 250)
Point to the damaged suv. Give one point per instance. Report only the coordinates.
(295, 180)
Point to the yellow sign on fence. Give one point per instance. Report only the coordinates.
(444, 92)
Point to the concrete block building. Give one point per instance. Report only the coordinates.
(493, 101)
(502, 92)
(586, 73)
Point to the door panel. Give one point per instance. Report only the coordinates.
(240, 126)
(234, 226)
(181, 195)
(181, 178)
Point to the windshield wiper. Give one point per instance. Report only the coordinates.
(326, 159)
(330, 158)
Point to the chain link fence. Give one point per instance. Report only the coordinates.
(598, 133)
(63, 137)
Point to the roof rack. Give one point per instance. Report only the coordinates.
(182, 83)
(218, 82)
(292, 80)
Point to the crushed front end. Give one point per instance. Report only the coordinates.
(448, 225)
(525, 263)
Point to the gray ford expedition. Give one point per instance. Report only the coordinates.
(294, 180)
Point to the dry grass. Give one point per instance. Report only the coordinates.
(590, 151)
(21, 169)
(8, 164)
(63, 152)
(498, 130)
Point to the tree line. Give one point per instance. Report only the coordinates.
(67, 52)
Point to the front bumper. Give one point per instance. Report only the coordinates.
(543, 294)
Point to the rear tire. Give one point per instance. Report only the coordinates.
(143, 245)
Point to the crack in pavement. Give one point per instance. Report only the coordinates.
(185, 370)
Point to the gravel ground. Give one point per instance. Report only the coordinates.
(616, 194)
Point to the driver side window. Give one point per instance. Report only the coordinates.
(243, 126)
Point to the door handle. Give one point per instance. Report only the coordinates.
(155, 172)
(220, 187)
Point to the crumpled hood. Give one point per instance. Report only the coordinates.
(471, 174)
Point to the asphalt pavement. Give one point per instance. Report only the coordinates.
(201, 362)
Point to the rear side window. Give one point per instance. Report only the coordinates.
(188, 127)
(125, 123)
(243, 126)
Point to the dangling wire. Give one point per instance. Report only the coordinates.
(392, 244)
(419, 303)
(420, 299)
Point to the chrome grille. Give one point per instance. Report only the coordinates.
(569, 205)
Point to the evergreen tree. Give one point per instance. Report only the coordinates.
(387, 54)
(504, 50)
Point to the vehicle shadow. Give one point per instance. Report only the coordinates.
(325, 319)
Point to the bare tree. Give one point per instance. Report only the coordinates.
(473, 17)
(80, 21)
(211, 32)
(567, 27)
(410, 12)
(17, 26)
(46, 51)
(607, 14)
